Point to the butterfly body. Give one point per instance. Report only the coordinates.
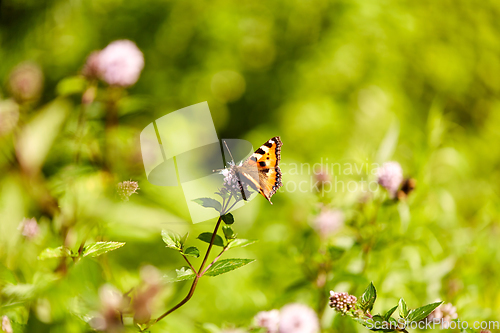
(261, 170)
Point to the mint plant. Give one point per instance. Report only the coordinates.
(359, 309)
(229, 240)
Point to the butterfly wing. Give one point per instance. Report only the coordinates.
(262, 168)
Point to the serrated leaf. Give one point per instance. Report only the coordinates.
(335, 252)
(420, 313)
(368, 298)
(228, 218)
(207, 236)
(209, 203)
(171, 239)
(241, 243)
(100, 248)
(389, 313)
(403, 308)
(227, 265)
(182, 274)
(393, 322)
(228, 232)
(192, 251)
(57, 252)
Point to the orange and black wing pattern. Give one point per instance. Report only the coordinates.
(266, 159)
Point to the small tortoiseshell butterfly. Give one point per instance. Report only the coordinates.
(261, 170)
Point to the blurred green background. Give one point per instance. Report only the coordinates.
(349, 81)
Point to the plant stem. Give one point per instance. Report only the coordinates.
(216, 258)
(189, 263)
(199, 274)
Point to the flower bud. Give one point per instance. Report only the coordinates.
(146, 293)
(29, 228)
(444, 313)
(298, 318)
(342, 302)
(126, 189)
(328, 222)
(269, 320)
(26, 82)
(6, 326)
(112, 305)
(390, 176)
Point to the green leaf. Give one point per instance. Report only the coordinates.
(389, 313)
(99, 248)
(57, 252)
(207, 236)
(171, 239)
(378, 323)
(403, 308)
(335, 252)
(241, 243)
(71, 85)
(210, 328)
(192, 251)
(209, 203)
(183, 274)
(184, 239)
(228, 218)
(420, 313)
(228, 232)
(393, 322)
(368, 298)
(227, 265)
(37, 137)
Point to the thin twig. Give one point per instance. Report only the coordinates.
(226, 203)
(189, 263)
(225, 212)
(197, 277)
(216, 258)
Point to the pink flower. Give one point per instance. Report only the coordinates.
(298, 318)
(390, 176)
(112, 305)
(444, 314)
(26, 81)
(6, 326)
(146, 293)
(321, 175)
(328, 221)
(120, 63)
(29, 228)
(269, 320)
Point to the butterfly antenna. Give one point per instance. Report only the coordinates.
(229, 152)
